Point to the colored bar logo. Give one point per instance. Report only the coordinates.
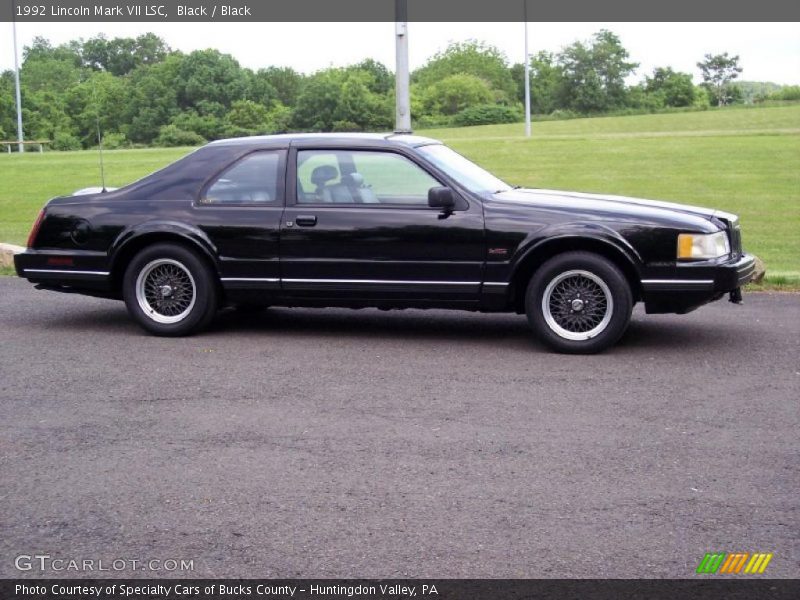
(734, 563)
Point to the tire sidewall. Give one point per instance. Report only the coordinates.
(205, 290)
(599, 266)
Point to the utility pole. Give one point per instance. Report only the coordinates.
(402, 101)
(20, 145)
(527, 75)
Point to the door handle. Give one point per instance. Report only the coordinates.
(306, 220)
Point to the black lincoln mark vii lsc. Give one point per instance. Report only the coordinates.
(387, 221)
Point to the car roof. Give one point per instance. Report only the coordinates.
(287, 139)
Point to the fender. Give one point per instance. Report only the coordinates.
(579, 232)
(195, 237)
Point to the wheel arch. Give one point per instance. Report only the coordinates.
(537, 255)
(133, 241)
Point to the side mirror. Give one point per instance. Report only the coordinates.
(443, 198)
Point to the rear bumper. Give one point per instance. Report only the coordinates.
(683, 288)
(68, 272)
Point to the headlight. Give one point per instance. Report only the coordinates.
(703, 245)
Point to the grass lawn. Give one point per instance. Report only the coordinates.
(743, 160)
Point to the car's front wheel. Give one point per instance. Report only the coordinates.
(169, 290)
(579, 302)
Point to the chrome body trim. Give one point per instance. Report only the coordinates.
(63, 271)
(678, 281)
(380, 281)
(266, 279)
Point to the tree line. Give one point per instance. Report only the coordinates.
(139, 91)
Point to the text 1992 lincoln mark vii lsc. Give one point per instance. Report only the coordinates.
(387, 221)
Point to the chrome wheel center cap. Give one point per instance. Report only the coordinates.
(577, 304)
(166, 291)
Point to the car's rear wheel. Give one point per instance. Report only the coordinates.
(579, 302)
(169, 290)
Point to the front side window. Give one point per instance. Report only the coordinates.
(361, 177)
(255, 179)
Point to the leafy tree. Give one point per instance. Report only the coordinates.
(381, 80)
(120, 56)
(211, 108)
(286, 82)
(152, 100)
(474, 58)
(341, 95)
(207, 125)
(41, 49)
(594, 74)
(44, 115)
(279, 118)
(99, 96)
(676, 89)
(317, 103)
(719, 70)
(487, 114)
(47, 72)
(701, 98)
(249, 115)
(52, 74)
(114, 141)
(8, 105)
(756, 91)
(170, 135)
(65, 141)
(209, 75)
(96, 53)
(259, 88)
(150, 49)
(146, 93)
(639, 97)
(359, 105)
(453, 94)
(546, 80)
(786, 93)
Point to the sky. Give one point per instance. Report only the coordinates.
(768, 51)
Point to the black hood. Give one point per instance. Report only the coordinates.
(618, 206)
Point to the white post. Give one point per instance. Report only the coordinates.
(20, 138)
(402, 99)
(527, 76)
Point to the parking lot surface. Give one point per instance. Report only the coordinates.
(337, 443)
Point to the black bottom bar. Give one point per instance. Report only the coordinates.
(702, 588)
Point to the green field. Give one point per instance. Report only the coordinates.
(743, 160)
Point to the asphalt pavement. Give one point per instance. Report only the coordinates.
(338, 443)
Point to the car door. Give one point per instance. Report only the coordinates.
(358, 225)
(240, 211)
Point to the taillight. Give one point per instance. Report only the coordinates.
(35, 230)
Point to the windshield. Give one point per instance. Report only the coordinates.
(466, 172)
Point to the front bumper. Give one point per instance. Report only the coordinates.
(685, 287)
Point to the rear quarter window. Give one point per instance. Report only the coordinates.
(254, 179)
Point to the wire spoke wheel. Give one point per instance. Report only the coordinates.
(165, 291)
(577, 305)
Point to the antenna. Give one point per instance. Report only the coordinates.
(99, 138)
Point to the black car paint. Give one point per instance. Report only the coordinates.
(478, 256)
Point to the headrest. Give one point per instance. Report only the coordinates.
(356, 179)
(323, 174)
